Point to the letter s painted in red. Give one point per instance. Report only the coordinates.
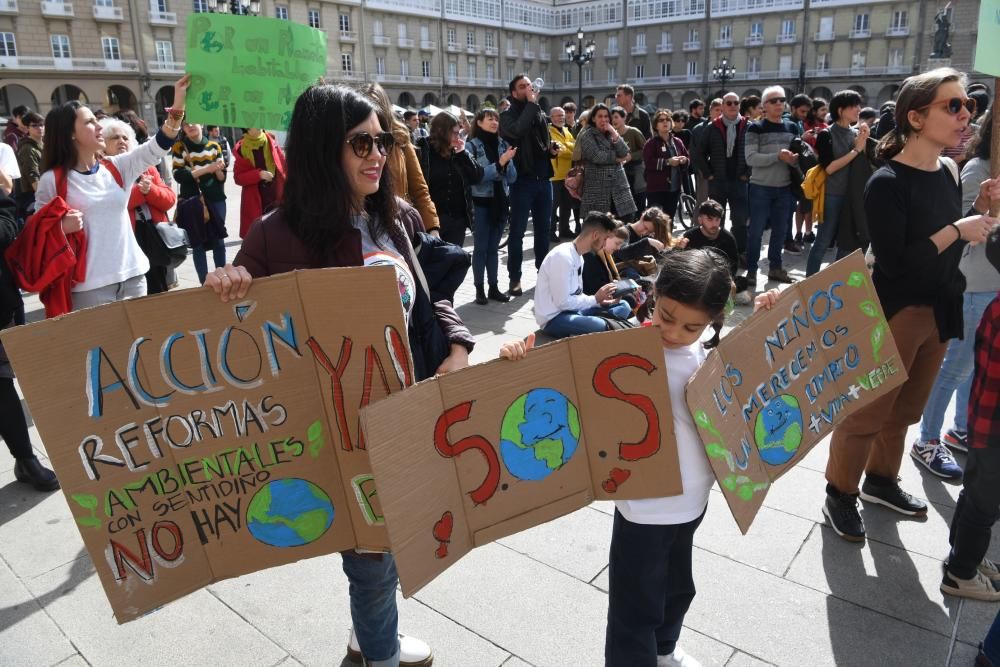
(452, 416)
(605, 386)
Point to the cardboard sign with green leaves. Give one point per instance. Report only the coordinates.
(247, 71)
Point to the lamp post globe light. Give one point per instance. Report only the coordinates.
(723, 72)
(581, 54)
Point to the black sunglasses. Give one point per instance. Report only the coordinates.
(776, 100)
(954, 105)
(363, 142)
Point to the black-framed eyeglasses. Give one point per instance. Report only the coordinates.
(362, 143)
(732, 103)
(776, 100)
(954, 105)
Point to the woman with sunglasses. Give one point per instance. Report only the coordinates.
(918, 233)
(345, 214)
(97, 197)
(149, 203)
(450, 172)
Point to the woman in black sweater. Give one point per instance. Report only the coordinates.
(449, 171)
(913, 205)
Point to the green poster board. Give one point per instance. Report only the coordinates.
(247, 71)
(988, 42)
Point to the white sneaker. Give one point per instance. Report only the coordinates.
(412, 651)
(676, 659)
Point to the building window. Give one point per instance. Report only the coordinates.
(784, 65)
(692, 68)
(823, 61)
(489, 71)
(753, 64)
(664, 69)
(160, 6)
(404, 67)
(470, 39)
(567, 76)
(402, 31)
(452, 70)
(380, 64)
(345, 22)
(490, 43)
(640, 40)
(377, 28)
(588, 74)
(692, 35)
(104, 3)
(862, 23)
(665, 38)
(425, 33)
(314, 18)
(60, 46)
(858, 60)
(8, 48)
(527, 44)
(281, 12)
(346, 62)
(200, 6)
(898, 19)
(757, 29)
(510, 69)
(109, 45)
(725, 32)
(425, 68)
(788, 27)
(612, 74)
(164, 51)
(896, 57)
(472, 68)
(452, 36)
(640, 70)
(613, 44)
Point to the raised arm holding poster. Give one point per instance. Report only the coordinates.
(780, 382)
(247, 71)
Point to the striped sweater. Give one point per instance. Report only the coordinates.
(764, 140)
(188, 155)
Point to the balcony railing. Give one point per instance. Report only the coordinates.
(898, 31)
(785, 39)
(512, 52)
(406, 78)
(754, 40)
(103, 13)
(8, 6)
(348, 75)
(490, 50)
(427, 45)
(611, 52)
(732, 7)
(724, 43)
(665, 48)
(162, 18)
(529, 54)
(639, 50)
(860, 33)
(78, 64)
(57, 8)
(693, 45)
(660, 80)
(166, 67)
(404, 43)
(381, 40)
(453, 47)
(544, 55)
(824, 37)
(472, 49)
(348, 36)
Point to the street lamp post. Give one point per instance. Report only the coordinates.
(581, 54)
(723, 72)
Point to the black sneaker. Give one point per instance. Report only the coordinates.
(809, 237)
(841, 510)
(887, 492)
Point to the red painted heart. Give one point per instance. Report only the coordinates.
(443, 527)
(609, 485)
(619, 475)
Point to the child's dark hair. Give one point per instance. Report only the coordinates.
(711, 208)
(993, 247)
(597, 220)
(700, 279)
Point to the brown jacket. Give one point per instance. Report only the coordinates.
(271, 248)
(408, 182)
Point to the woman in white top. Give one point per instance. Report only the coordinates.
(98, 200)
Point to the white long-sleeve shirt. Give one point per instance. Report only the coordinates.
(113, 255)
(560, 284)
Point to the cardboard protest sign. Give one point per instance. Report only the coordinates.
(196, 440)
(497, 448)
(247, 71)
(780, 382)
(987, 59)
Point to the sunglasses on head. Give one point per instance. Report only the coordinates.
(953, 105)
(363, 142)
(776, 100)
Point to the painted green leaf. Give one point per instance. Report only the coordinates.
(878, 339)
(745, 492)
(869, 308)
(315, 431)
(89, 521)
(716, 451)
(85, 500)
(856, 279)
(701, 418)
(730, 483)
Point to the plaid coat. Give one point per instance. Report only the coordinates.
(604, 182)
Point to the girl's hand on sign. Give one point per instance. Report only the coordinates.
(458, 359)
(517, 349)
(766, 300)
(180, 91)
(229, 282)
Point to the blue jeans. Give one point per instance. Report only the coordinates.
(825, 233)
(767, 204)
(486, 247)
(732, 191)
(573, 323)
(956, 371)
(535, 195)
(373, 606)
(218, 247)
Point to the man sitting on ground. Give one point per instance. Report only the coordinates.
(561, 307)
(710, 234)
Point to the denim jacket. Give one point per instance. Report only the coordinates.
(491, 172)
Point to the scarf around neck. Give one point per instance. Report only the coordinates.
(249, 145)
(731, 129)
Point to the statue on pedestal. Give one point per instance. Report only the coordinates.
(942, 20)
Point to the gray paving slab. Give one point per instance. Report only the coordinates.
(975, 620)
(770, 545)
(514, 661)
(576, 544)
(790, 624)
(876, 576)
(195, 630)
(963, 655)
(600, 582)
(544, 616)
(703, 648)
(28, 636)
(75, 660)
(289, 662)
(741, 659)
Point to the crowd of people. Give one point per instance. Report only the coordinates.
(909, 182)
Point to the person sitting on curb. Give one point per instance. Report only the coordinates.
(710, 234)
(561, 307)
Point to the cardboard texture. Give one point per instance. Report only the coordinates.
(494, 449)
(247, 71)
(780, 382)
(196, 440)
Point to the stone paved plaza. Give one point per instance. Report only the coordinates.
(789, 593)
